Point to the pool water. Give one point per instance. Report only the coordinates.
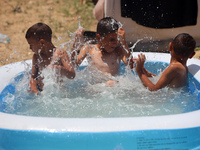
(86, 97)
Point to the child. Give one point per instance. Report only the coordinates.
(175, 75)
(45, 53)
(106, 55)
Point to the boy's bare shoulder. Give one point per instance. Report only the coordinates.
(177, 68)
(90, 48)
(177, 75)
(177, 65)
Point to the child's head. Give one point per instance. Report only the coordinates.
(38, 36)
(184, 45)
(107, 34)
(39, 31)
(107, 25)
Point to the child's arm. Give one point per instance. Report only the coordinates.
(34, 73)
(125, 52)
(81, 56)
(147, 73)
(77, 44)
(167, 76)
(78, 37)
(66, 69)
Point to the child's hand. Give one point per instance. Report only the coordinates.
(79, 33)
(121, 34)
(111, 83)
(140, 62)
(78, 38)
(33, 86)
(34, 91)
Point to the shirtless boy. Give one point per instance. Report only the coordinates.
(106, 55)
(45, 53)
(175, 75)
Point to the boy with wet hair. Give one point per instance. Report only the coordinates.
(175, 75)
(46, 54)
(106, 55)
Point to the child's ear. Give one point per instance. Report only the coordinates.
(192, 55)
(170, 47)
(42, 41)
(98, 36)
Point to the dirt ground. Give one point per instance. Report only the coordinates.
(16, 16)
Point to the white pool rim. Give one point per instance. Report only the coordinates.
(177, 121)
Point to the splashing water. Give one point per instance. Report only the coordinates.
(86, 97)
(132, 47)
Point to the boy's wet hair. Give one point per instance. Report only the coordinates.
(107, 25)
(184, 44)
(39, 31)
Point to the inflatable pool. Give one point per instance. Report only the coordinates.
(168, 132)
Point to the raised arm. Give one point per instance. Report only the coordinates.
(142, 57)
(81, 56)
(77, 44)
(125, 53)
(66, 68)
(166, 78)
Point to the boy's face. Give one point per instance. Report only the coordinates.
(109, 42)
(35, 45)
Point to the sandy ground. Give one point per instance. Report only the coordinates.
(16, 16)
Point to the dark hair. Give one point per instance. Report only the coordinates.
(39, 31)
(107, 25)
(184, 44)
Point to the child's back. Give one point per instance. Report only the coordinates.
(176, 74)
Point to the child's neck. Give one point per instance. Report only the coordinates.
(178, 59)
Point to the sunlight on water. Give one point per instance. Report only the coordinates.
(85, 96)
